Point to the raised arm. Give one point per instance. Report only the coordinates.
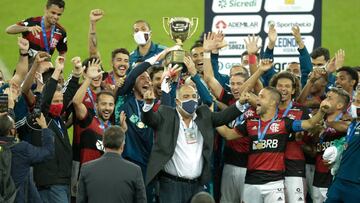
(73, 84)
(16, 29)
(95, 15)
(51, 85)
(29, 80)
(150, 117)
(317, 118)
(202, 90)
(211, 81)
(228, 133)
(23, 63)
(269, 54)
(304, 58)
(264, 66)
(252, 49)
(138, 70)
(93, 72)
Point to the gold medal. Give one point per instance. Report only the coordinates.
(259, 145)
(140, 125)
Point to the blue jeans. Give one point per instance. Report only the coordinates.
(56, 194)
(343, 191)
(176, 191)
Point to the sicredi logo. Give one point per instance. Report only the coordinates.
(289, 5)
(280, 63)
(236, 6)
(284, 23)
(286, 45)
(236, 46)
(237, 24)
(226, 63)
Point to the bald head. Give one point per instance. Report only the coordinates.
(186, 92)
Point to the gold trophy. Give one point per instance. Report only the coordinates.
(179, 29)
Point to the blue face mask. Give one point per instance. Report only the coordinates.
(189, 106)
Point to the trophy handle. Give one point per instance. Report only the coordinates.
(166, 22)
(194, 20)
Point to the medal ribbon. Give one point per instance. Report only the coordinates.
(47, 43)
(261, 135)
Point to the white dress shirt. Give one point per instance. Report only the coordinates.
(187, 160)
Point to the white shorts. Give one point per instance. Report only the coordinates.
(309, 173)
(319, 194)
(295, 189)
(267, 193)
(232, 183)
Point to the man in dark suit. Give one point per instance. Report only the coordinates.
(111, 178)
(181, 155)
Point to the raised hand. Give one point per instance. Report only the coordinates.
(219, 39)
(60, 63)
(41, 57)
(94, 70)
(339, 58)
(244, 97)
(265, 65)
(171, 71)
(77, 66)
(35, 30)
(297, 35)
(252, 44)
(23, 45)
(325, 106)
(149, 96)
(209, 43)
(190, 65)
(96, 15)
(41, 121)
(272, 34)
(123, 124)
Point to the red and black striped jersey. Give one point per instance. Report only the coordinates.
(91, 134)
(236, 151)
(59, 40)
(294, 155)
(266, 158)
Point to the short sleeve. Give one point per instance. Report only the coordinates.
(293, 126)
(84, 123)
(241, 128)
(62, 45)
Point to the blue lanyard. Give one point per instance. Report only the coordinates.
(46, 43)
(287, 109)
(261, 135)
(102, 125)
(91, 99)
(138, 109)
(336, 119)
(351, 131)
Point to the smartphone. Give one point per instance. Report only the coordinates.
(4, 98)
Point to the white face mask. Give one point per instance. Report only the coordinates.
(141, 37)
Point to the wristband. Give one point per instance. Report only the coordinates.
(252, 59)
(207, 55)
(21, 54)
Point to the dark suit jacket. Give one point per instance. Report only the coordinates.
(166, 124)
(111, 179)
